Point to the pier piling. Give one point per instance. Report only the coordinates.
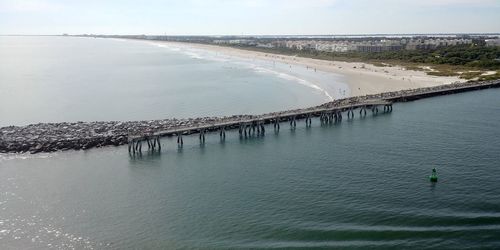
(277, 124)
(255, 125)
(180, 141)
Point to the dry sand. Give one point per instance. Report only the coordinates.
(362, 78)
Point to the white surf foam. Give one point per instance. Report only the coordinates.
(25, 156)
(196, 53)
(296, 79)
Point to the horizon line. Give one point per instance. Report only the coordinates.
(255, 35)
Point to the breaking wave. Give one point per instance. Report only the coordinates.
(296, 79)
(220, 57)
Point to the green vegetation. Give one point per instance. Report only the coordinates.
(471, 74)
(472, 60)
(442, 73)
(490, 77)
(480, 57)
(380, 64)
(415, 67)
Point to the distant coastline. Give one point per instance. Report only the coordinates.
(371, 63)
(331, 86)
(362, 78)
(365, 81)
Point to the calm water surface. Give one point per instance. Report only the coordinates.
(56, 79)
(359, 184)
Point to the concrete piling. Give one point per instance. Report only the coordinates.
(132, 132)
(202, 135)
(180, 141)
(252, 125)
(308, 120)
(222, 133)
(276, 124)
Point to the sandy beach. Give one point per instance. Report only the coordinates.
(362, 78)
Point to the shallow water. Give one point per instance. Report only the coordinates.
(57, 79)
(359, 184)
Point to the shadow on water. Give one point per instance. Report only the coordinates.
(433, 186)
(203, 148)
(251, 139)
(180, 149)
(148, 159)
(254, 137)
(222, 143)
(308, 130)
(148, 155)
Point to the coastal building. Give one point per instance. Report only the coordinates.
(492, 42)
(265, 45)
(246, 42)
(431, 43)
(379, 46)
(368, 45)
(279, 44)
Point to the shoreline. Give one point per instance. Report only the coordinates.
(51, 137)
(329, 85)
(361, 78)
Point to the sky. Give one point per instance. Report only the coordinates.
(248, 17)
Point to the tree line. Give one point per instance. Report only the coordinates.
(476, 56)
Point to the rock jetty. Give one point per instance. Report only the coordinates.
(50, 137)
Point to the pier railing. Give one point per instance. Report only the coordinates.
(327, 112)
(49, 137)
(255, 123)
(267, 118)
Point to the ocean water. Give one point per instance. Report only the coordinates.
(55, 79)
(360, 184)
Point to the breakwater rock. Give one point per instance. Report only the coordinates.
(50, 137)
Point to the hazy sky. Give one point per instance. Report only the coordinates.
(248, 17)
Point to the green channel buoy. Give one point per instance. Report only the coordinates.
(433, 177)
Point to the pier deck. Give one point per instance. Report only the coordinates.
(50, 137)
(328, 112)
(410, 95)
(266, 119)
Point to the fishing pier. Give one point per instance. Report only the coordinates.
(332, 112)
(255, 124)
(51, 137)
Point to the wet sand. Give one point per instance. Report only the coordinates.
(362, 78)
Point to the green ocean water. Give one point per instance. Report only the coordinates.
(359, 184)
